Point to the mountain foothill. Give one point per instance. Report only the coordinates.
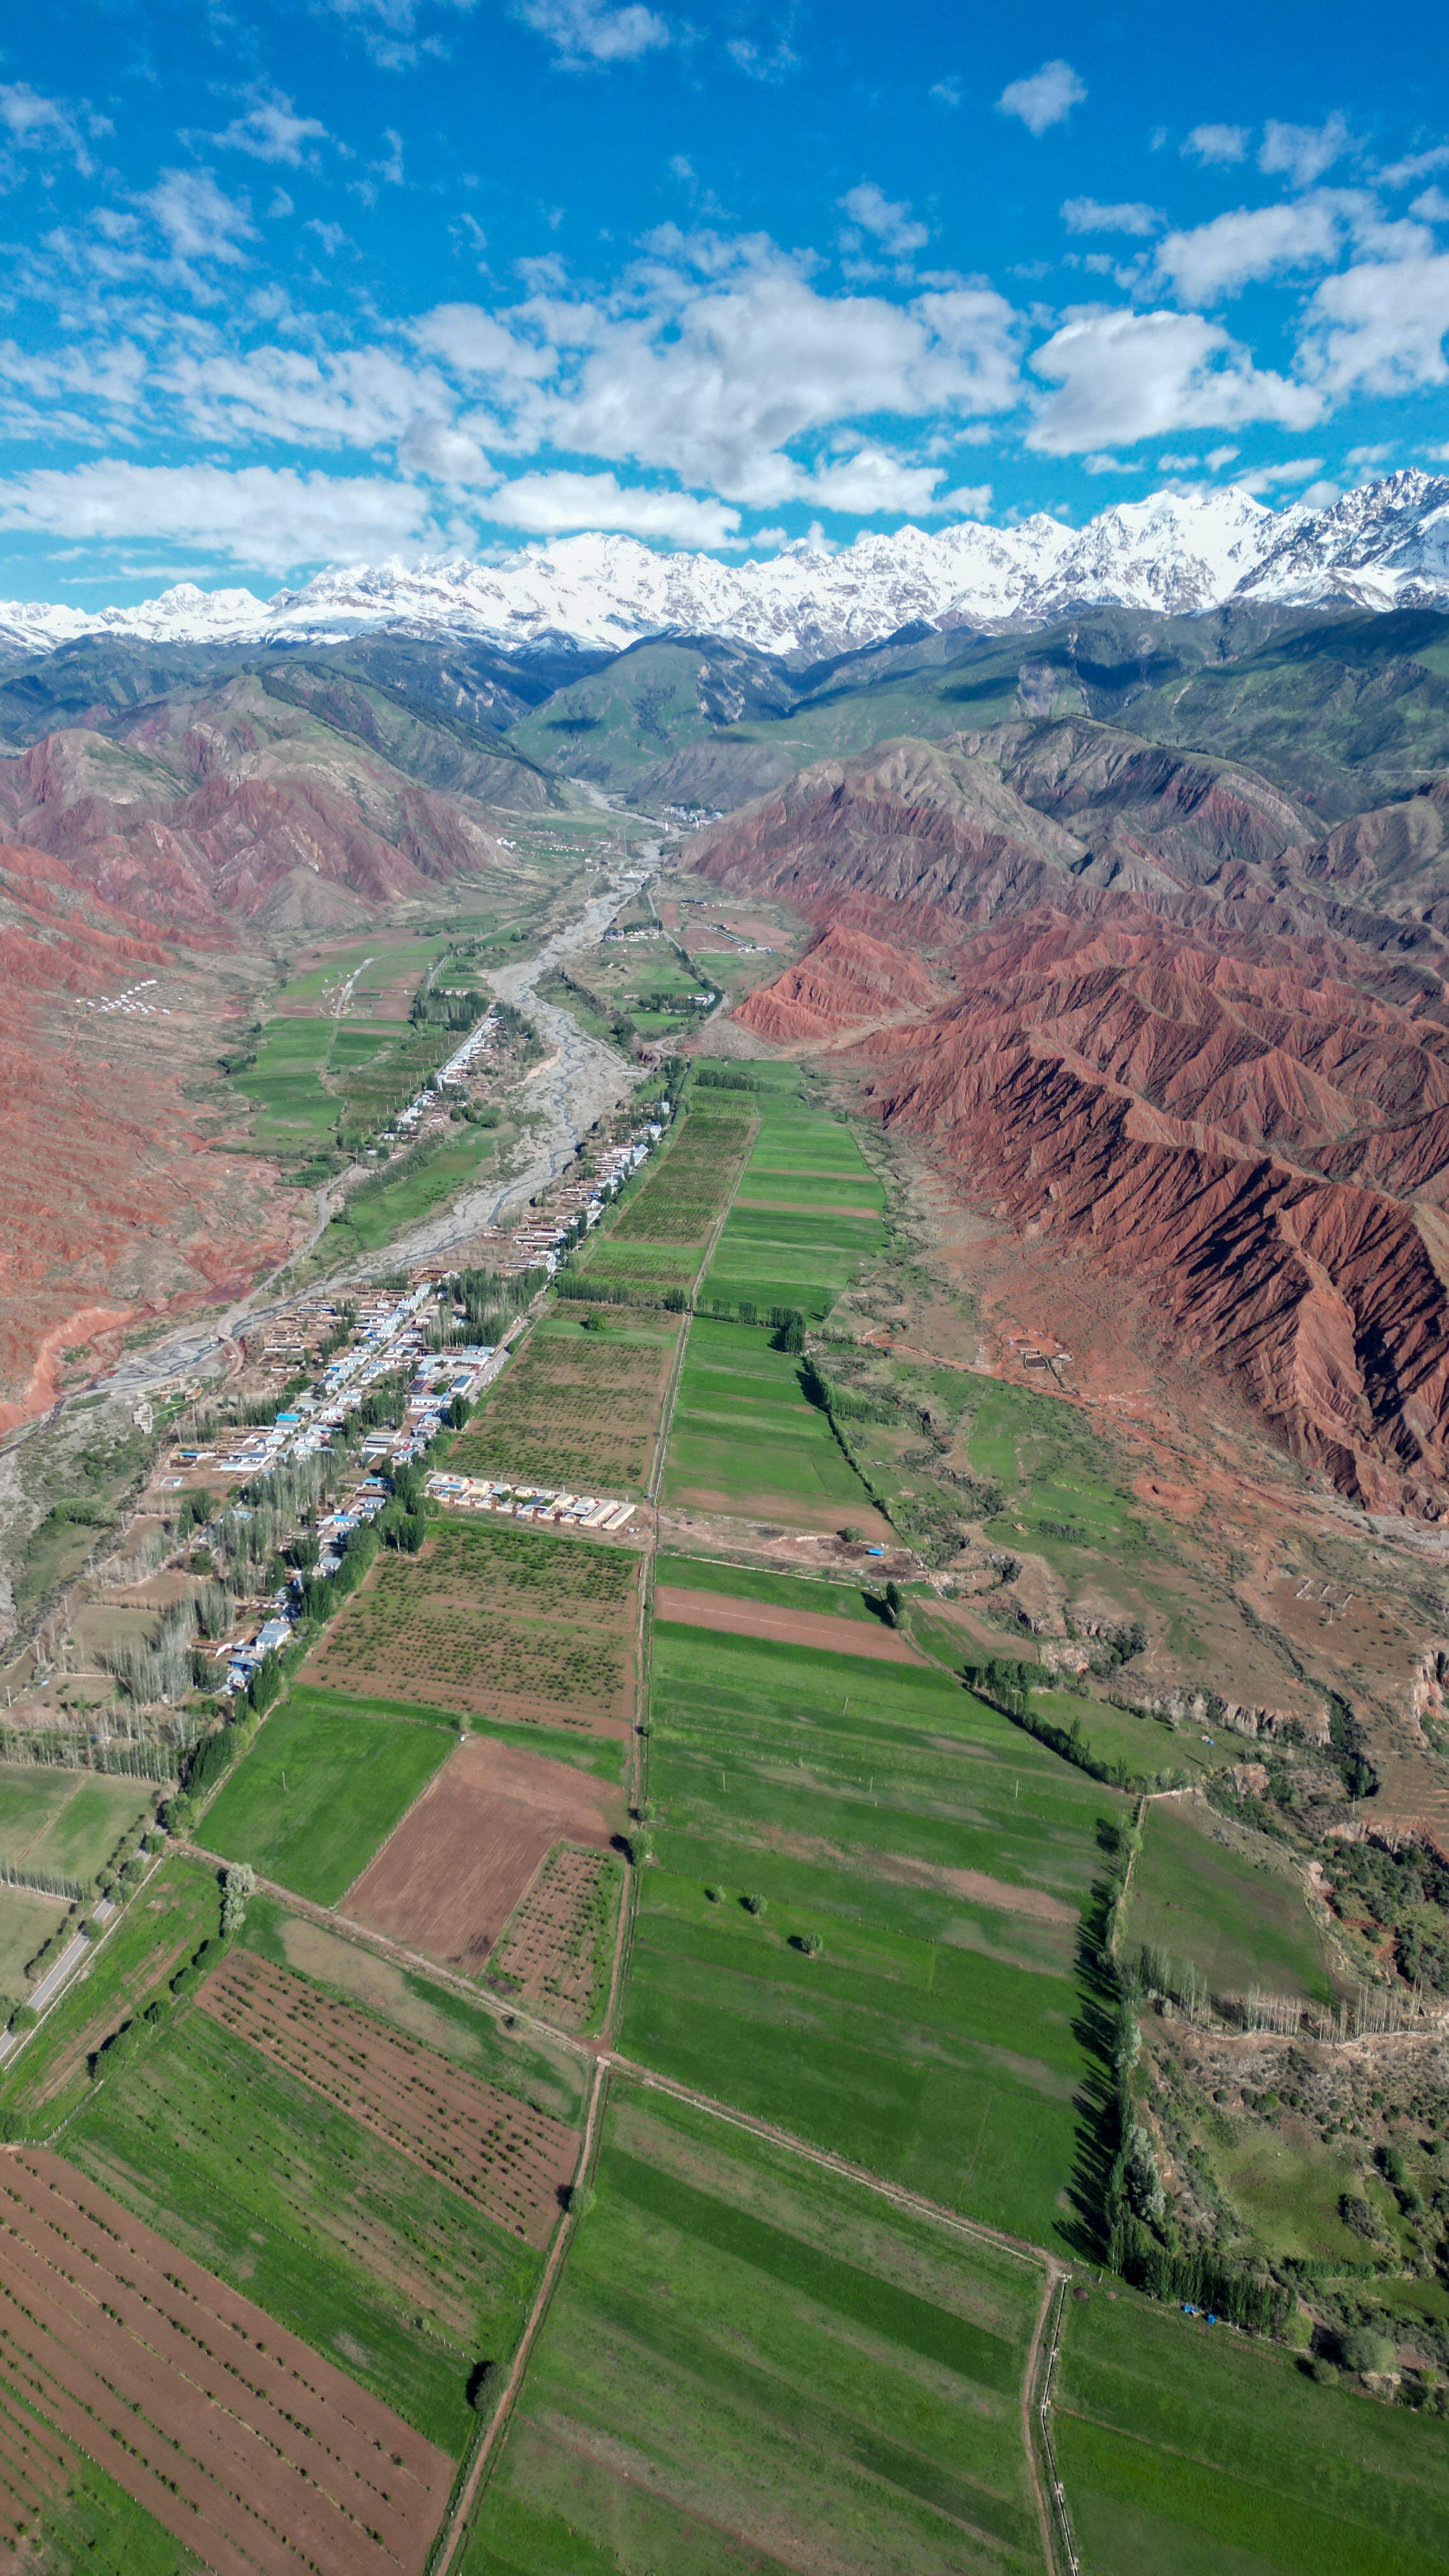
(1135, 918)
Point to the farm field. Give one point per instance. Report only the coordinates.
(555, 1955)
(156, 1934)
(371, 1216)
(649, 1268)
(577, 1409)
(87, 2521)
(837, 1596)
(1237, 1919)
(449, 1878)
(67, 1821)
(348, 2243)
(688, 1185)
(497, 1621)
(751, 2364)
(807, 1213)
(492, 2148)
(745, 1439)
(233, 2435)
(26, 1921)
(938, 1856)
(321, 1787)
(677, 1604)
(1187, 2447)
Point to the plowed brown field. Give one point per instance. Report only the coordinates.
(447, 1881)
(508, 2159)
(241, 2441)
(730, 1618)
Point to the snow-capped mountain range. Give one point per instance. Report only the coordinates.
(1384, 546)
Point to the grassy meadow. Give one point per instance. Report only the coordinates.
(941, 1859)
(745, 1437)
(1238, 1919)
(67, 1821)
(156, 1934)
(1192, 2448)
(752, 2364)
(807, 1213)
(320, 1791)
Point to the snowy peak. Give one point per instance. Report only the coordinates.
(1384, 546)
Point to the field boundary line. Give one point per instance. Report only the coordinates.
(456, 2530)
(1043, 2417)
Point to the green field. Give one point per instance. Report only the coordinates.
(822, 1594)
(157, 1933)
(745, 1434)
(421, 1182)
(370, 2260)
(1191, 2449)
(26, 1922)
(1241, 1921)
(808, 1212)
(575, 1408)
(67, 1821)
(935, 2037)
(687, 1186)
(319, 1791)
(751, 2365)
(95, 2525)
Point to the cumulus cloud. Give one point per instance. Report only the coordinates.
(891, 225)
(1379, 326)
(270, 518)
(1218, 258)
(1419, 165)
(1217, 146)
(548, 504)
(271, 130)
(1121, 377)
(200, 222)
(1047, 98)
(1267, 478)
(1085, 215)
(586, 33)
(37, 124)
(1301, 153)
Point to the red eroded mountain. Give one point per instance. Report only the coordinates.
(115, 1210)
(1192, 1078)
(846, 978)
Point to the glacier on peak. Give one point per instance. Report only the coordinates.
(1180, 552)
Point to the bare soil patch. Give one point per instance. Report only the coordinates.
(820, 1628)
(976, 1888)
(494, 2150)
(449, 1878)
(242, 2442)
(788, 1509)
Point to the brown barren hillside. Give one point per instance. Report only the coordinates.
(1184, 1052)
(115, 1211)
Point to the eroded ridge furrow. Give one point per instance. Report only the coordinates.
(243, 2443)
(496, 2151)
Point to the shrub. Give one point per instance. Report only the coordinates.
(808, 1942)
(753, 1904)
(1368, 2353)
(24, 2017)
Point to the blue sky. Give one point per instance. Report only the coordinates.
(332, 282)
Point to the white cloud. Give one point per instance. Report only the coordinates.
(547, 504)
(1320, 496)
(271, 130)
(761, 63)
(1432, 207)
(1084, 215)
(388, 28)
(1122, 377)
(473, 344)
(1380, 326)
(1368, 455)
(37, 124)
(199, 221)
(947, 93)
(1419, 165)
(1217, 146)
(359, 398)
(1301, 153)
(584, 33)
(890, 224)
(1266, 478)
(270, 518)
(1218, 258)
(1046, 99)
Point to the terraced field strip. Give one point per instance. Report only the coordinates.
(33, 2468)
(510, 2160)
(683, 1197)
(247, 2446)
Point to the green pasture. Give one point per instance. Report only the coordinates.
(285, 1083)
(421, 1182)
(749, 2364)
(321, 1788)
(939, 1855)
(642, 1265)
(743, 1428)
(1286, 2184)
(1239, 1919)
(68, 1821)
(396, 2279)
(599, 1754)
(819, 1593)
(1187, 2447)
(95, 2525)
(158, 1931)
(780, 1256)
(1058, 1473)
(687, 1185)
(1147, 1750)
(26, 1921)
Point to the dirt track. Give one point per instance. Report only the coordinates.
(820, 1628)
